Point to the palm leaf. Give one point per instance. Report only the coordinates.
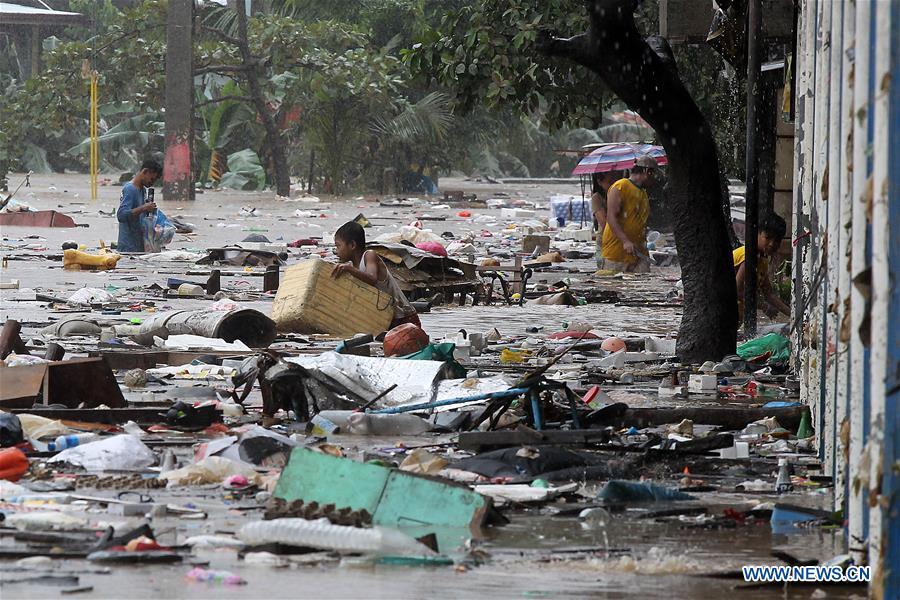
(138, 130)
(430, 118)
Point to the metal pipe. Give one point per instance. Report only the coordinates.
(247, 325)
(752, 169)
(510, 393)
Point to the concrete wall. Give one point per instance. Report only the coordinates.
(847, 264)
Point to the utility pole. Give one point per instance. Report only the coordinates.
(752, 215)
(178, 181)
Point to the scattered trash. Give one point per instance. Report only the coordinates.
(10, 430)
(13, 464)
(771, 347)
(246, 325)
(210, 576)
(117, 453)
(619, 492)
(256, 406)
(76, 260)
(212, 469)
(393, 498)
(380, 541)
(88, 295)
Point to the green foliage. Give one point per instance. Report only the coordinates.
(51, 110)
(137, 131)
(486, 53)
(362, 86)
(245, 172)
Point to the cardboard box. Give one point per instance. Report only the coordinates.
(541, 242)
(702, 384)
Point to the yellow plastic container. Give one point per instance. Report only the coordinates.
(310, 301)
(76, 260)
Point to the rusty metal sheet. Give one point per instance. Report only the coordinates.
(21, 386)
(83, 381)
(40, 218)
(87, 382)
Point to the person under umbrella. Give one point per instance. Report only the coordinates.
(623, 246)
(600, 184)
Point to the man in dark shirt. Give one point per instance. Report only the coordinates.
(133, 204)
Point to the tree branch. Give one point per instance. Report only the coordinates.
(576, 48)
(228, 38)
(223, 99)
(222, 69)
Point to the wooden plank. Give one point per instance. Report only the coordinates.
(112, 416)
(148, 359)
(731, 418)
(477, 440)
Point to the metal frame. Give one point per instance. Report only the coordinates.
(848, 126)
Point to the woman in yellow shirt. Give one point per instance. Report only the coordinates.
(601, 182)
(624, 246)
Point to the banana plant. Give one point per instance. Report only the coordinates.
(128, 141)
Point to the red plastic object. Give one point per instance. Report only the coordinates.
(432, 248)
(591, 394)
(464, 214)
(13, 464)
(404, 339)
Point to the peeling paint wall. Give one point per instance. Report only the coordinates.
(847, 264)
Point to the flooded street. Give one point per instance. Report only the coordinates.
(682, 550)
(382, 299)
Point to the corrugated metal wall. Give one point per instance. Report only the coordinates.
(847, 264)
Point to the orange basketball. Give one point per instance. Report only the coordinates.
(404, 339)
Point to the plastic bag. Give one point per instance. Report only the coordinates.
(776, 346)
(616, 491)
(22, 360)
(89, 295)
(156, 230)
(442, 352)
(10, 430)
(118, 453)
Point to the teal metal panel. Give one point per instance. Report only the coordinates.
(416, 504)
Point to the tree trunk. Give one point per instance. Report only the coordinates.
(645, 78)
(273, 135)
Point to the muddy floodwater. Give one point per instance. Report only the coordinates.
(544, 551)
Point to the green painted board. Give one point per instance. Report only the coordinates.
(313, 476)
(394, 498)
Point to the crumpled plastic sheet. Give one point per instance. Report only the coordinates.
(368, 377)
(89, 295)
(118, 453)
(185, 341)
(172, 255)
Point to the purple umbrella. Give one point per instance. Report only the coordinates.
(617, 157)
